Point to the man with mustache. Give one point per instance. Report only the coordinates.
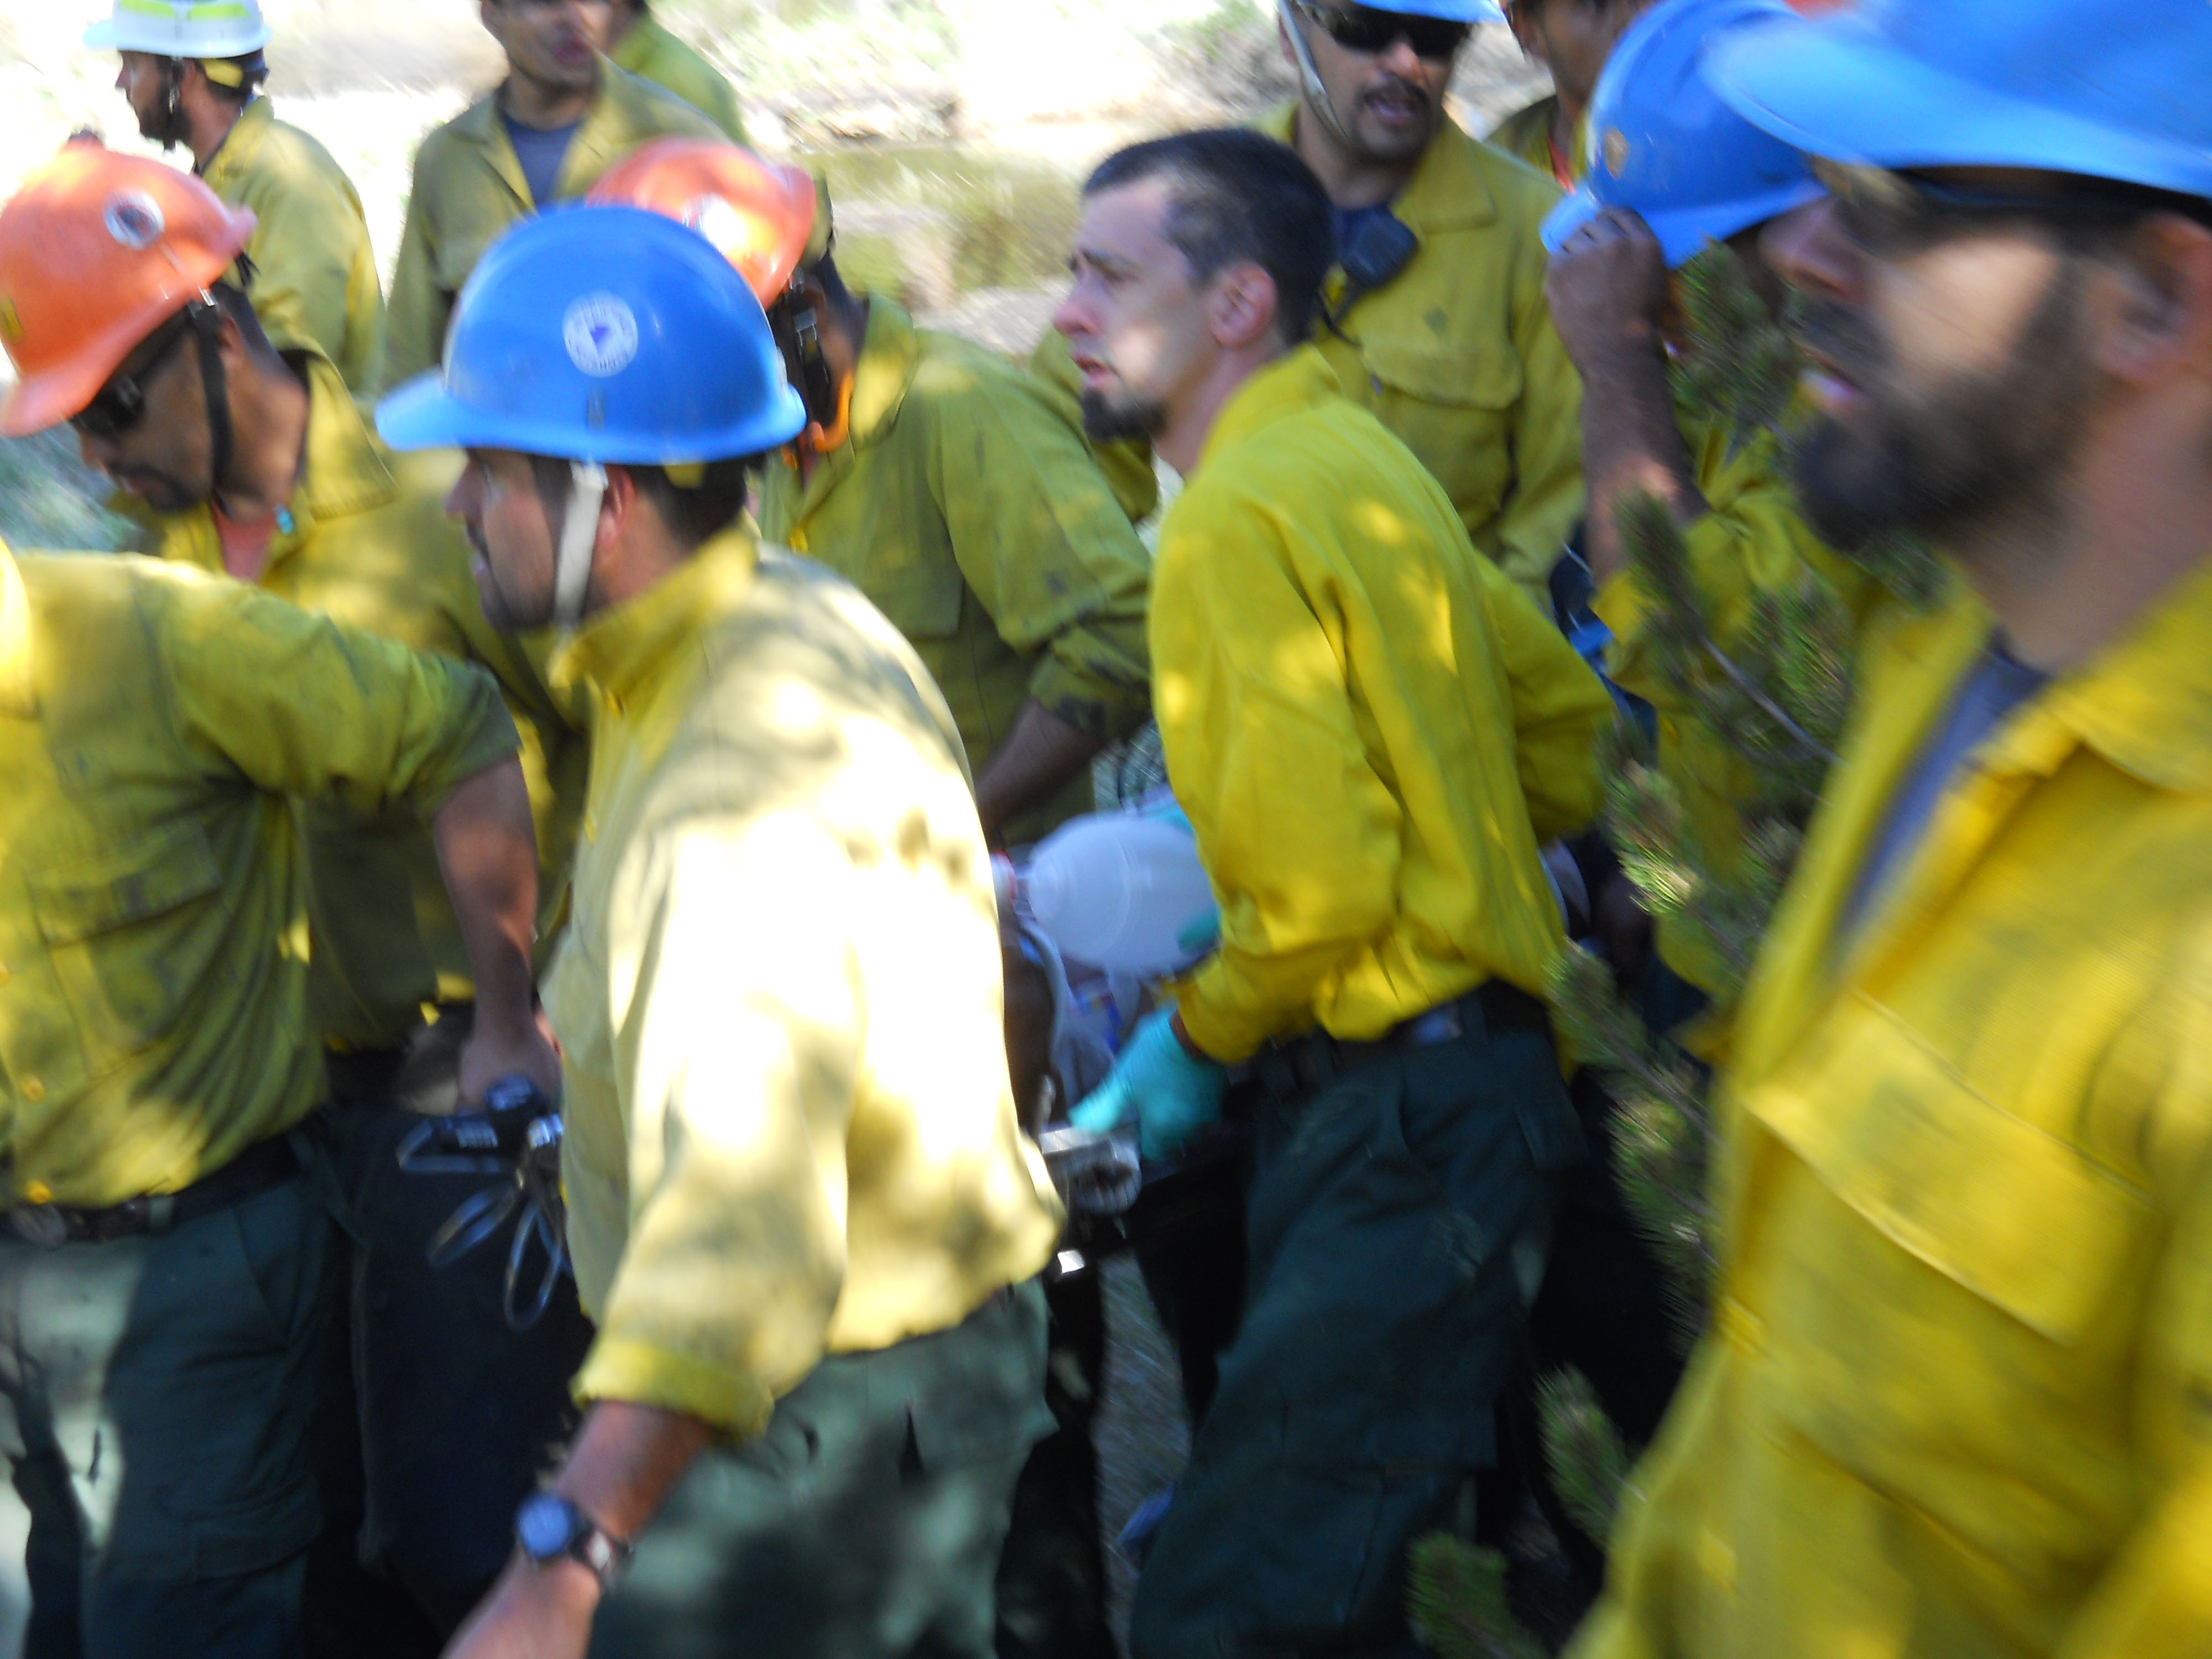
(1435, 314)
(561, 117)
(191, 73)
(1953, 1398)
(253, 462)
(163, 1282)
(1372, 730)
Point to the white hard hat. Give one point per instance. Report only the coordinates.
(182, 28)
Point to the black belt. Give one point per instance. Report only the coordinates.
(1288, 1070)
(262, 1166)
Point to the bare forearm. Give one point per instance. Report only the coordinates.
(1039, 755)
(625, 1461)
(1631, 445)
(488, 854)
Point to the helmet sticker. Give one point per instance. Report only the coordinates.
(600, 331)
(134, 219)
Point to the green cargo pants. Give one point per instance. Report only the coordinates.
(1396, 1221)
(154, 1396)
(865, 1523)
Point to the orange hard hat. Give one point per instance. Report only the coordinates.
(762, 215)
(97, 251)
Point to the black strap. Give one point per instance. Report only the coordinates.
(207, 326)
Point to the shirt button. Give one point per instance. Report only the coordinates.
(37, 1192)
(5, 975)
(33, 1090)
(798, 541)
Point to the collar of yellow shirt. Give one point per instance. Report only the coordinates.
(235, 153)
(630, 650)
(17, 697)
(1447, 190)
(1296, 380)
(890, 357)
(2144, 703)
(618, 121)
(342, 473)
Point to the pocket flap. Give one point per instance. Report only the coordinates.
(922, 601)
(1451, 375)
(2002, 1207)
(155, 874)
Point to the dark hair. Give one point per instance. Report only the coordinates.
(1239, 196)
(693, 515)
(236, 306)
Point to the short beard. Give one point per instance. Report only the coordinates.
(1981, 443)
(1105, 422)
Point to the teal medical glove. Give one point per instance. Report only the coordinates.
(1155, 1081)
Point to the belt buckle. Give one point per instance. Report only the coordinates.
(42, 1224)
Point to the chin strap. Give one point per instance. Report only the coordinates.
(207, 328)
(1316, 93)
(579, 530)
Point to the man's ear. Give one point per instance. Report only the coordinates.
(619, 507)
(1241, 306)
(2163, 320)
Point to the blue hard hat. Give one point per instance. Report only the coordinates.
(1662, 143)
(603, 334)
(2117, 89)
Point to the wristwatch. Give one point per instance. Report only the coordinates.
(551, 1528)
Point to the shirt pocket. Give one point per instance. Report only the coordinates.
(923, 602)
(2001, 1208)
(130, 936)
(1452, 406)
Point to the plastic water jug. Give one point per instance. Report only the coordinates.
(1123, 891)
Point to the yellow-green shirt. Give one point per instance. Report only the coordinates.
(1526, 135)
(1954, 1405)
(370, 545)
(469, 188)
(1371, 728)
(152, 933)
(315, 281)
(790, 1131)
(651, 51)
(1752, 542)
(966, 506)
(1457, 356)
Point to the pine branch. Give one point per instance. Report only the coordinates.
(1742, 365)
(1589, 1459)
(1456, 1599)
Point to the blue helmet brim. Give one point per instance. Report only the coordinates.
(1683, 235)
(1452, 11)
(1832, 87)
(423, 415)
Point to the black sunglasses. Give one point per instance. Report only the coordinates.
(1367, 30)
(1888, 211)
(121, 404)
